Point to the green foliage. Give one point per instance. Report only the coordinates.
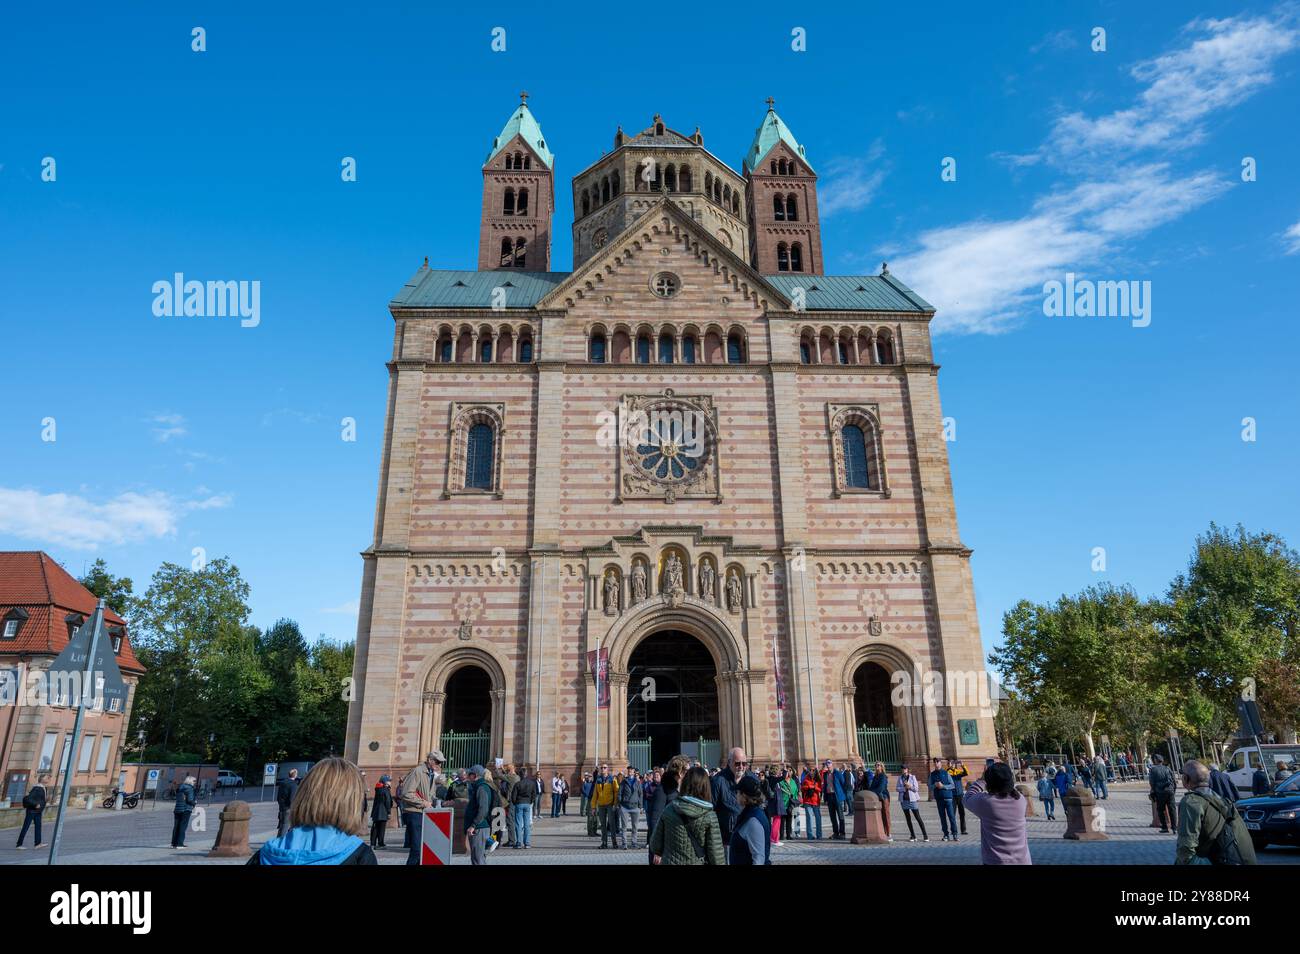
(220, 690)
(1107, 661)
(117, 592)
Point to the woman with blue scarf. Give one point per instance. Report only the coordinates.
(325, 824)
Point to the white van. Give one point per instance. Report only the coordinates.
(1245, 760)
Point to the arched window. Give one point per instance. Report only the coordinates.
(885, 348)
(604, 189)
(805, 353)
(688, 349)
(773, 167)
(665, 348)
(528, 162)
(670, 178)
(735, 349)
(521, 207)
(521, 251)
(843, 351)
(641, 184)
(444, 350)
(598, 349)
(778, 208)
(479, 454)
(854, 444)
(735, 202)
(684, 178)
(507, 253)
(508, 205)
(485, 351)
(586, 203)
(782, 257)
(796, 257)
(643, 350)
(615, 182)
(791, 209)
(526, 350)
(717, 191)
(708, 183)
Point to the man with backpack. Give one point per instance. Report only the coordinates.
(1163, 788)
(1209, 826)
(631, 802)
(478, 815)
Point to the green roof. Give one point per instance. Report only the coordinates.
(851, 292)
(769, 132)
(522, 123)
(436, 288)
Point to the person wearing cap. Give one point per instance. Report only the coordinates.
(604, 799)
(478, 815)
(420, 793)
(751, 842)
(835, 797)
(381, 809)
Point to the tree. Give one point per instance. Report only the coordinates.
(117, 592)
(1073, 660)
(175, 625)
(1236, 608)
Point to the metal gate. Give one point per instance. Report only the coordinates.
(638, 754)
(881, 744)
(464, 749)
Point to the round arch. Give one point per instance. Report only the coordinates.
(438, 673)
(910, 720)
(693, 617)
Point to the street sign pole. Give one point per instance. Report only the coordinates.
(87, 678)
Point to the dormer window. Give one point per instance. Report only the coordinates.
(13, 622)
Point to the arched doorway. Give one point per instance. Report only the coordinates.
(467, 717)
(672, 700)
(874, 718)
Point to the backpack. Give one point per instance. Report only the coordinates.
(30, 801)
(1223, 849)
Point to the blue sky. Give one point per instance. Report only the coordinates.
(1072, 433)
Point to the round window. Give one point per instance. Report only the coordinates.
(665, 284)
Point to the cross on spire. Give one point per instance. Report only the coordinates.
(771, 104)
(523, 97)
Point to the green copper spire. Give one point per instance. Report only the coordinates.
(771, 131)
(522, 123)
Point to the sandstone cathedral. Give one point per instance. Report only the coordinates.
(692, 494)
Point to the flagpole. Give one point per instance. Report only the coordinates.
(75, 744)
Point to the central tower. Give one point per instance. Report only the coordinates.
(518, 197)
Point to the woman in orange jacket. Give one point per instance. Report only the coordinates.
(811, 793)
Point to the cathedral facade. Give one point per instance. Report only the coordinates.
(690, 495)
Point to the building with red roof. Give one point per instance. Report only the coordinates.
(41, 606)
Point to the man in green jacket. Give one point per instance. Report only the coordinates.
(1202, 816)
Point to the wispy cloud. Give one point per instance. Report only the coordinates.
(350, 608)
(83, 524)
(1056, 42)
(851, 184)
(167, 426)
(982, 274)
(1291, 238)
(293, 414)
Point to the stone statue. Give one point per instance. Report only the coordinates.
(638, 583)
(466, 629)
(673, 574)
(707, 577)
(611, 594)
(733, 592)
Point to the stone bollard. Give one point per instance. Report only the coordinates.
(232, 836)
(1027, 790)
(1080, 823)
(868, 827)
(1173, 814)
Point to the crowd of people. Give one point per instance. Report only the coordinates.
(731, 815)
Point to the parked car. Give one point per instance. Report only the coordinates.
(1274, 819)
(228, 779)
(1241, 767)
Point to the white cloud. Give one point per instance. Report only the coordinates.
(1229, 60)
(1292, 238)
(851, 184)
(167, 426)
(350, 608)
(982, 275)
(82, 524)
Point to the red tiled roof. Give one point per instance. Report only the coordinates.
(32, 580)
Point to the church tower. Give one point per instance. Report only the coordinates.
(781, 186)
(518, 197)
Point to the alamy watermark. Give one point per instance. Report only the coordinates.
(213, 299)
(1085, 298)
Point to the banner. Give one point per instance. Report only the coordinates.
(602, 676)
(780, 686)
